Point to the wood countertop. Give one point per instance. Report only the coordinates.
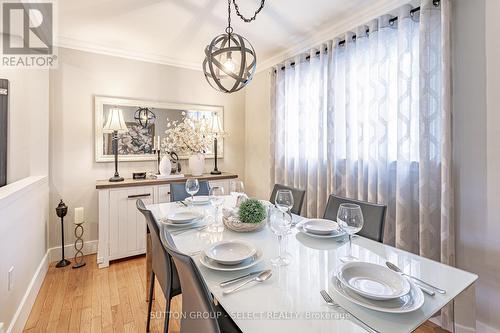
(129, 182)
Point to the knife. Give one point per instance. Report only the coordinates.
(239, 279)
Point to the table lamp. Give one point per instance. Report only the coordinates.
(115, 124)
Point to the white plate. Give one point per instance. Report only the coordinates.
(198, 200)
(179, 225)
(320, 226)
(230, 252)
(184, 216)
(335, 234)
(373, 281)
(408, 303)
(209, 263)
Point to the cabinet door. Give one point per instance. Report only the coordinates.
(127, 226)
(163, 194)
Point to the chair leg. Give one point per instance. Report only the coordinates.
(168, 299)
(150, 303)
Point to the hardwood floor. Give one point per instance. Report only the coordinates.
(90, 299)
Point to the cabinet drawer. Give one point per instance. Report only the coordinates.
(127, 226)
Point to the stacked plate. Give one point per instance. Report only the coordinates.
(183, 218)
(230, 256)
(377, 287)
(198, 200)
(320, 228)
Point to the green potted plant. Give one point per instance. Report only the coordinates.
(251, 216)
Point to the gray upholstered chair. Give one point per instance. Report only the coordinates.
(178, 190)
(196, 297)
(162, 266)
(298, 197)
(373, 216)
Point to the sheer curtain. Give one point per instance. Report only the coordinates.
(370, 119)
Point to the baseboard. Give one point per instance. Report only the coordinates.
(483, 328)
(24, 309)
(480, 327)
(89, 247)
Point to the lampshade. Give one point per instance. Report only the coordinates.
(115, 122)
(216, 125)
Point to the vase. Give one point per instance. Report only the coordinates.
(197, 164)
(165, 166)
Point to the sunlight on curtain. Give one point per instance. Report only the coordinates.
(371, 120)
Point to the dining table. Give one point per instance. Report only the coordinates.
(290, 300)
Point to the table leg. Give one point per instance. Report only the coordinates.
(148, 263)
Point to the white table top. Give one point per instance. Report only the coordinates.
(290, 300)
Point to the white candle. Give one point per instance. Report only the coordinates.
(79, 215)
(158, 142)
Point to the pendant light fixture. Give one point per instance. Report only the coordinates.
(230, 59)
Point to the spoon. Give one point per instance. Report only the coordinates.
(398, 270)
(259, 278)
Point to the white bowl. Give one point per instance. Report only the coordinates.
(230, 252)
(320, 226)
(184, 216)
(373, 281)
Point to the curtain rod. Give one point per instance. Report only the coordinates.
(391, 22)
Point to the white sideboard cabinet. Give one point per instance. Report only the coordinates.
(122, 228)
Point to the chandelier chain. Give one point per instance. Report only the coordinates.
(247, 20)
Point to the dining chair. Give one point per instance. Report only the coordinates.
(373, 216)
(196, 298)
(178, 190)
(162, 267)
(298, 197)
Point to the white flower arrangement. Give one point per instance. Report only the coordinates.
(188, 136)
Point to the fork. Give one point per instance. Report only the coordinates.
(331, 302)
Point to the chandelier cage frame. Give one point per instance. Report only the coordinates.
(221, 45)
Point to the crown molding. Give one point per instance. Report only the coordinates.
(76, 44)
(362, 16)
(327, 33)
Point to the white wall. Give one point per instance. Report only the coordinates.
(28, 123)
(489, 294)
(24, 201)
(82, 75)
(23, 226)
(257, 136)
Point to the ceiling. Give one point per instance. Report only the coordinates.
(175, 32)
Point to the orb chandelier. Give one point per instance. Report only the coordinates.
(144, 117)
(230, 59)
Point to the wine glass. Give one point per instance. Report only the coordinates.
(216, 196)
(280, 224)
(350, 220)
(284, 201)
(236, 186)
(192, 187)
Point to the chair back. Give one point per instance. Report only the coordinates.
(178, 190)
(196, 297)
(298, 197)
(373, 216)
(161, 262)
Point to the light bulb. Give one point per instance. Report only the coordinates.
(229, 65)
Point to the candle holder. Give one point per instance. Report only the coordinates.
(61, 211)
(79, 246)
(158, 152)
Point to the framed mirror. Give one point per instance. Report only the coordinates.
(145, 121)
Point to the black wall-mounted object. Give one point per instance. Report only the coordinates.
(4, 111)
